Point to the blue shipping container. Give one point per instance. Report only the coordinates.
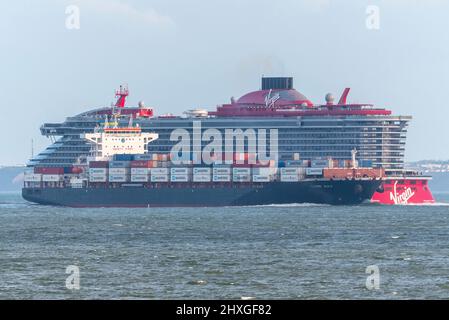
(123, 157)
(118, 164)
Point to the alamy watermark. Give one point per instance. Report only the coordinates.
(373, 280)
(219, 149)
(72, 20)
(372, 21)
(72, 282)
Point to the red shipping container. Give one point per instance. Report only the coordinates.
(99, 164)
(49, 170)
(142, 164)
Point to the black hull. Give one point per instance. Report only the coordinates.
(344, 192)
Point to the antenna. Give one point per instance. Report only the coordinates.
(32, 148)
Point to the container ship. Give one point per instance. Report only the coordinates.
(333, 153)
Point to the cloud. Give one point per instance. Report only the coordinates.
(120, 9)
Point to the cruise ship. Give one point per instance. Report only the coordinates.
(367, 135)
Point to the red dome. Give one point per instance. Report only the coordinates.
(286, 97)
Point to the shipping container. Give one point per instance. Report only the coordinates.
(76, 181)
(261, 178)
(159, 178)
(296, 156)
(221, 178)
(294, 163)
(32, 177)
(221, 170)
(289, 178)
(319, 163)
(335, 163)
(343, 173)
(142, 164)
(98, 178)
(99, 164)
(139, 178)
(118, 171)
(103, 171)
(289, 170)
(202, 170)
(119, 164)
(366, 163)
(159, 171)
(179, 178)
(265, 171)
(118, 177)
(77, 170)
(241, 178)
(201, 177)
(245, 171)
(52, 177)
(68, 170)
(314, 171)
(140, 171)
(49, 170)
(144, 156)
(179, 170)
(123, 157)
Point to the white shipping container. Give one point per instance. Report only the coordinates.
(201, 171)
(319, 163)
(97, 178)
(261, 178)
(241, 178)
(289, 178)
(51, 177)
(314, 171)
(179, 178)
(118, 171)
(221, 171)
(140, 171)
(159, 178)
(34, 177)
(289, 171)
(265, 171)
(241, 170)
(179, 171)
(159, 171)
(221, 178)
(98, 170)
(117, 178)
(139, 178)
(201, 178)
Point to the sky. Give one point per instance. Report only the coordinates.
(182, 54)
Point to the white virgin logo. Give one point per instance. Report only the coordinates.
(271, 100)
(403, 197)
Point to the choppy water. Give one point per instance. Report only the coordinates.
(292, 252)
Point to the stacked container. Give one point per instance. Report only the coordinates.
(98, 171)
(201, 174)
(289, 174)
(241, 174)
(159, 174)
(179, 174)
(221, 173)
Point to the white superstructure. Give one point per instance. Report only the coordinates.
(111, 141)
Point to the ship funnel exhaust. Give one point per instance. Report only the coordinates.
(285, 83)
(344, 96)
